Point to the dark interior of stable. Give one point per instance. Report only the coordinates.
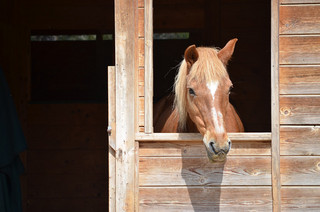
(58, 82)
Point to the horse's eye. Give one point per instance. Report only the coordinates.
(191, 92)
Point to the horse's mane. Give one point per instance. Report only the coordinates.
(206, 69)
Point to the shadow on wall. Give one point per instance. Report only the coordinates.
(203, 180)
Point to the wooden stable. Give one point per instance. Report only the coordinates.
(265, 171)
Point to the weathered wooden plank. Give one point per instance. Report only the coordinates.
(302, 19)
(86, 204)
(300, 170)
(160, 137)
(197, 149)
(300, 198)
(148, 65)
(141, 22)
(67, 114)
(275, 117)
(66, 185)
(112, 138)
(67, 162)
(141, 52)
(300, 109)
(299, 1)
(205, 199)
(125, 60)
(302, 140)
(200, 171)
(141, 111)
(300, 80)
(299, 49)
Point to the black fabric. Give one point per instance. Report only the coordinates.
(12, 142)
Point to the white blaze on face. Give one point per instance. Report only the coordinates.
(217, 117)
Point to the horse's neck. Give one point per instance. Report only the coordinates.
(233, 121)
(190, 126)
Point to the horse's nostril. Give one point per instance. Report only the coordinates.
(211, 144)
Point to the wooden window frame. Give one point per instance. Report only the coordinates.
(273, 136)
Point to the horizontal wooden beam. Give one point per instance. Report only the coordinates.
(198, 137)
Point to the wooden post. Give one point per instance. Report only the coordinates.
(148, 65)
(275, 128)
(125, 103)
(112, 137)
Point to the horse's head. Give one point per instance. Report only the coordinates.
(202, 93)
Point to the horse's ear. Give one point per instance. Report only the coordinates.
(227, 51)
(191, 55)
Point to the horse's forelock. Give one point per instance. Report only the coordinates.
(208, 68)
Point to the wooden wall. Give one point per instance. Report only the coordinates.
(66, 161)
(299, 38)
(177, 176)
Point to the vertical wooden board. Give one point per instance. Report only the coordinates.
(136, 177)
(205, 199)
(275, 117)
(299, 49)
(141, 52)
(125, 25)
(300, 19)
(148, 65)
(141, 82)
(141, 111)
(300, 80)
(300, 140)
(141, 22)
(300, 198)
(200, 171)
(300, 170)
(112, 137)
(300, 109)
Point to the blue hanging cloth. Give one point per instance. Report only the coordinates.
(12, 142)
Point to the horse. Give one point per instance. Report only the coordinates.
(201, 100)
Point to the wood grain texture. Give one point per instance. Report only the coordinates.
(198, 137)
(300, 109)
(197, 149)
(205, 199)
(300, 170)
(300, 198)
(141, 52)
(112, 138)
(299, 1)
(302, 140)
(200, 171)
(299, 49)
(301, 19)
(300, 80)
(125, 42)
(148, 65)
